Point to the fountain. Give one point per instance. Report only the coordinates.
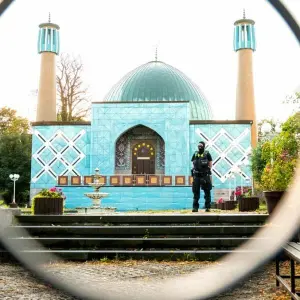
(96, 196)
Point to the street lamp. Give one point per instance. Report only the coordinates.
(266, 129)
(14, 178)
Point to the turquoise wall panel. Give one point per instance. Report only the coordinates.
(59, 150)
(169, 120)
(230, 146)
(135, 198)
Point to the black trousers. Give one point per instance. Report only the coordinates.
(204, 183)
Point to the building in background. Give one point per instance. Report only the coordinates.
(142, 136)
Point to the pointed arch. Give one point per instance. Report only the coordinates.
(139, 149)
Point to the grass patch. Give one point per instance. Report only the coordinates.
(3, 204)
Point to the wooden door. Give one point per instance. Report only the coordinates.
(143, 159)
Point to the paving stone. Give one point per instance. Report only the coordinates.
(121, 278)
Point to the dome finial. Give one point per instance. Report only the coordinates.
(244, 13)
(49, 19)
(156, 53)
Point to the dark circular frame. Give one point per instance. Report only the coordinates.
(280, 227)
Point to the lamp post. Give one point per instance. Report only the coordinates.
(14, 178)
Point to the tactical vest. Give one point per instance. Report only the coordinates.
(201, 161)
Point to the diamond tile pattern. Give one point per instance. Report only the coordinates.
(58, 150)
(78, 150)
(229, 145)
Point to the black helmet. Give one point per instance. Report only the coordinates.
(203, 143)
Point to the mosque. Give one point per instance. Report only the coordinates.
(143, 133)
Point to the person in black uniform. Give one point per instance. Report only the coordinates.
(201, 172)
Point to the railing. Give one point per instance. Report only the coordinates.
(129, 180)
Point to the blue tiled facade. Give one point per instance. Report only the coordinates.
(134, 198)
(229, 145)
(169, 120)
(58, 150)
(76, 150)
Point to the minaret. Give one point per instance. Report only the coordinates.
(244, 45)
(48, 47)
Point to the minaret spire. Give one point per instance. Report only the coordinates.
(245, 45)
(48, 47)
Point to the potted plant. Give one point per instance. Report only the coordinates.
(275, 180)
(220, 204)
(280, 155)
(48, 202)
(247, 201)
(231, 203)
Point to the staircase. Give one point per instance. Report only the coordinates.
(172, 237)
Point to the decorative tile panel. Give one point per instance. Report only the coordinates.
(111, 121)
(229, 145)
(58, 151)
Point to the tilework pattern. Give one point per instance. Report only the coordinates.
(78, 150)
(169, 120)
(229, 145)
(59, 151)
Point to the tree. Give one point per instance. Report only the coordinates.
(74, 102)
(10, 123)
(15, 158)
(293, 101)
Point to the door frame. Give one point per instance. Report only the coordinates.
(134, 154)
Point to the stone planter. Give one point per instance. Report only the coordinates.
(229, 205)
(48, 206)
(248, 203)
(272, 199)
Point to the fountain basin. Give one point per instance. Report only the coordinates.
(96, 197)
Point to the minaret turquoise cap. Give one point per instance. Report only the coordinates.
(48, 40)
(244, 34)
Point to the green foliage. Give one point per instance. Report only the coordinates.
(2, 204)
(44, 193)
(15, 158)
(10, 123)
(277, 177)
(292, 124)
(258, 162)
(280, 156)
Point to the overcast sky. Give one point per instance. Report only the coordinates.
(115, 36)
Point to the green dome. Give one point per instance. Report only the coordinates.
(157, 81)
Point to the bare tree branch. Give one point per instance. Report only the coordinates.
(74, 101)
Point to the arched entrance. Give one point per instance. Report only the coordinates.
(143, 162)
(143, 158)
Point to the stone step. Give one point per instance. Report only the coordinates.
(84, 255)
(86, 242)
(200, 218)
(142, 231)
